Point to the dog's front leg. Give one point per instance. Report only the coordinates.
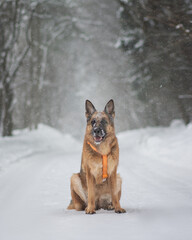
(90, 209)
(114, 193)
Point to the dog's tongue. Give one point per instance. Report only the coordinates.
(98, 139)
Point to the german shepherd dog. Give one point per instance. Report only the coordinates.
(92, 189)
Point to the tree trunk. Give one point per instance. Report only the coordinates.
(1, 106)
(183, 111)
(7, 110)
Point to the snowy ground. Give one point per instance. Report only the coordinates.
(156, 167)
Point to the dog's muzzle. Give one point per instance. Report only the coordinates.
(98, 134)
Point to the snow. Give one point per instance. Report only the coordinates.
(156, 167)
(26, 143)
(139, 43)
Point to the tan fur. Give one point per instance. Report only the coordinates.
(88, 191)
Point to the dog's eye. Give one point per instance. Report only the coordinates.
(103, 122)
(93, 122)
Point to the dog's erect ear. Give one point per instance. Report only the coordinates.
(89, 109)
(110, 108)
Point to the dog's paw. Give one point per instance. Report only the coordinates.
(90, 210)
(110, 207)
(120, 210)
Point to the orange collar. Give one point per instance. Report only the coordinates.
(104, 161)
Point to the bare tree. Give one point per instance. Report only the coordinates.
(28, 29)
(13, 50)
(49, 24)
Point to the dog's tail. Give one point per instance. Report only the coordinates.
(71, 205)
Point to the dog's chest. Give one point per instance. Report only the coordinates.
(97, 168)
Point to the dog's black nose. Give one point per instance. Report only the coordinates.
(97, 131)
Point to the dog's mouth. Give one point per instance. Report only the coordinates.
(98, 134)
(98, 139)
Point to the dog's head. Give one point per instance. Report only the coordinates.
(100, 124)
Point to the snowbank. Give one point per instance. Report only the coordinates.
(171, 144)
(24, 143)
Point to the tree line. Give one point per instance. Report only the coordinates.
(157, 37)
(28, 29)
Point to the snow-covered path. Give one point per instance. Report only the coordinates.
(156, 167)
